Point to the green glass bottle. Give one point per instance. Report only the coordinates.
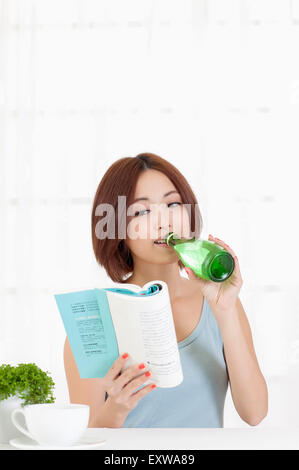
(207, 259)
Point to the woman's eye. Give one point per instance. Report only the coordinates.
(147, 210)
(139, 212)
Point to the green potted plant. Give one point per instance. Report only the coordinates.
(21, 385)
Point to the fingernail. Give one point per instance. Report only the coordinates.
(124, 356)
(154, 386)
(147, 374)
(141, 366)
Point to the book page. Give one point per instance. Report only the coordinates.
(160, 341)
(125, 317)
(145, 329)
(121, 285)
(133, 287)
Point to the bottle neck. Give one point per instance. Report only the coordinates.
(173, 240)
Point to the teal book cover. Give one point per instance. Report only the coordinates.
(89, 327)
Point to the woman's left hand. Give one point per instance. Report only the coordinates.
(221, 296)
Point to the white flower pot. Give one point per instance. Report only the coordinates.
(7, 429)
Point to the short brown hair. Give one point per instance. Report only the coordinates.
(120, 180)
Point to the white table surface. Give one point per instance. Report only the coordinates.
(193, 438)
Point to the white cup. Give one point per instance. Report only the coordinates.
(53, 424)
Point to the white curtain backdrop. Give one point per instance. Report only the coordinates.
(211, 85)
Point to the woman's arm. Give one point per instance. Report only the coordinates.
(248, 386)
(90, 392)
(120, 386)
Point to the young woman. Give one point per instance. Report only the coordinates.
(213, 333)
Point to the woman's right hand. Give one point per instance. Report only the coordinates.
(120, 387)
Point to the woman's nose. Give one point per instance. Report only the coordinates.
(161, 217)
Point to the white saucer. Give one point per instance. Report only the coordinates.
(27, 443)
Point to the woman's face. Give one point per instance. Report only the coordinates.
(154, 217)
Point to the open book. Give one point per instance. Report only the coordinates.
(103, 323)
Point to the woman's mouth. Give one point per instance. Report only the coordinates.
(161, 243)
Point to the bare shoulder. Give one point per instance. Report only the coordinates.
(67, 348)
(69, 361)
(68, 353)
(81, 390)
